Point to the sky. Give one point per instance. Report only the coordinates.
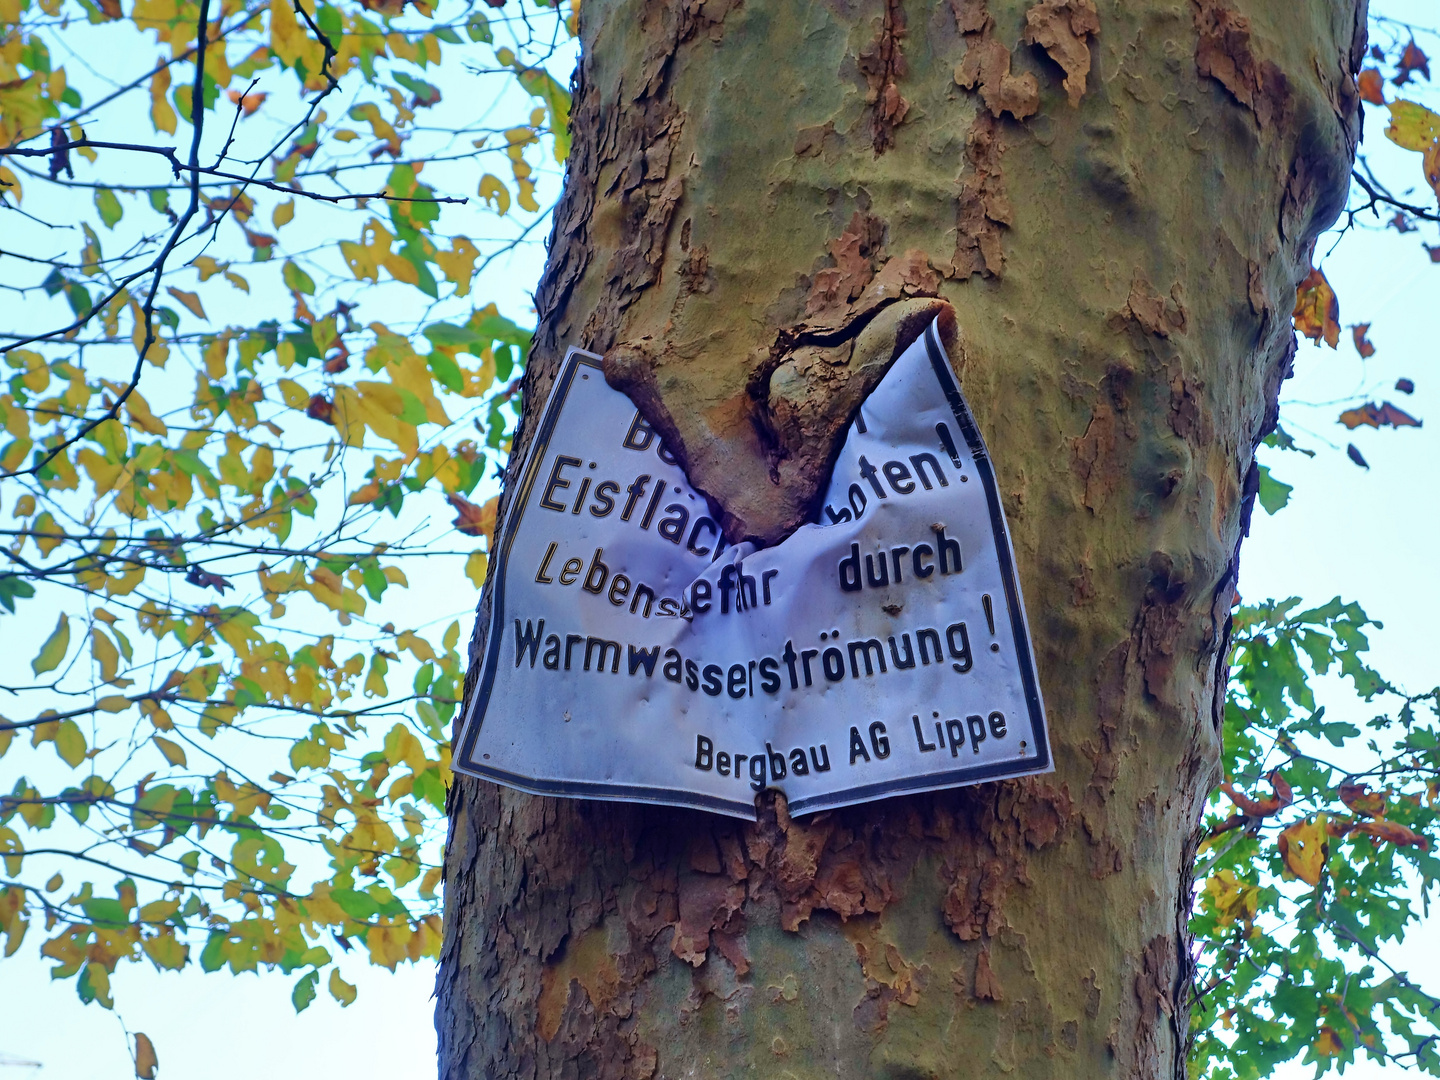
(1365, 535)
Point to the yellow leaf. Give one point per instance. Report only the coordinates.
(105, 654)
(342, 991)
(283, 214)
(53, 651)
(1317, 310)
(145, 1060)
(428, 883)
(70, 743)
(475, 567)
(173, 751)
(141, 417)
(1304, 847)
(207, 266)
(11, 849)
(158, 716)
(1412, 126)
(54, 883)
(9, 186)
(1329, 1044)
(190, 300)
(238, 281)
(166, 950)
(47, 533)
(113, 703)
(24, 506)
(215, 355)
(161, 114)
(360, 261)
(77, 134)
(417, 645)
(491, 187)
(459, 263)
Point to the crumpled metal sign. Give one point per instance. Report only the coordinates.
(632, 654)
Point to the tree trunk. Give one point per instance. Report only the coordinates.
(1118, 200)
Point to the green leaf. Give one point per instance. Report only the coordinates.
(305, 990)
(446, 371)
(110, 913)
(70, 743)
(297, 280)
(13, 586)
(462, 337)
(425, 94)
(1280, 439)
(1273, 494)
(358, 905)
(211, 958)
(109, 207)
(478, 28)
(53, 651)
(499, 328)
(542, 84)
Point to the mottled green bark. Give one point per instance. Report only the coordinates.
(1117, 199)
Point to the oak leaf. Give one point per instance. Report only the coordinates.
(1378, 416)
(1282, 797)
(1360, 799)
(1394, 833)
(1304, 847)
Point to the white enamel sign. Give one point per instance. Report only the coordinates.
(633, 655)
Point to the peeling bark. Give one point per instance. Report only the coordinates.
(1115, 211)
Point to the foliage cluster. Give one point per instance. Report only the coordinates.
(228, 692)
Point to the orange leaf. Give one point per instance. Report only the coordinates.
(1282, 798)
(250, 102)
(1393, 833)
(1412, 60)
(1363, 345)
(1317, 311)
(1377, 416)
(1372, 87)
(1359, 798)
(190, 300)
(473, 520)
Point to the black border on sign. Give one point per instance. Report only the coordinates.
(474, 714)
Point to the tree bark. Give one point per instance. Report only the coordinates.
(1118, 200)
